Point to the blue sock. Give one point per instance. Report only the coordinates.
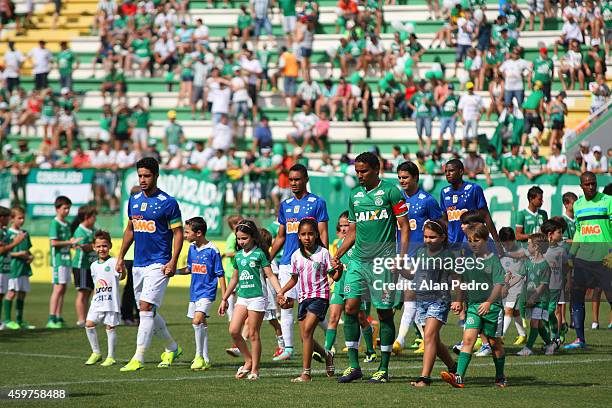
(578, 309)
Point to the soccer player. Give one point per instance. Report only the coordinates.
(292, 210)
(421, 207)
(557, 257)
(460, 197)
(529, 220)
(204, 265)
(569, 199)
(61, 242)
(19, 260)
(105, 303)
(83, 227)
(513, 287)
(156, 229)
(591, 244)
(484, 308)
(5, 247)
(376, 207)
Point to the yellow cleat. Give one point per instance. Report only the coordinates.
(93, 359)
(108, 362)
(520, 341)
(168, 357)
(421, 348)
(199, 364)
(133, 365)
(478, 344)
(397, 348)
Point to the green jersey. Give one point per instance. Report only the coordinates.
(506, 45)
(19, 267)
(251, 277)
(493, 164)
(174, 132)
(487, 272)
(537, 274)
(449, 106)
(186, 63)
(49, 104)
(83, 259)
(593, 227)
(375, 213)
(606, 13)
(230, 246)
(65, 62)
(514, 18)
(535, 165)
(513, 163)
(557, 112)
(123, 123)
(571, 227)
(543, 69)
(244, 21)
(5, 259)
(105, 122)
(423, 104)
(346, 258)
(433, 166)
(140, 119)
(531, 222)
(288, 7)
(532, 102)
(265, 163)
(143, 20)
(264, 58)
(59, 231)
(142, 47)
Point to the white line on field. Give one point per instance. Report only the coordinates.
(275, 372)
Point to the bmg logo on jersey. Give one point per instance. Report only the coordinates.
(454, 214)
(590, 230)
(147, 226)
(292, 227)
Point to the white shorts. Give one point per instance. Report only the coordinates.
(201, 305)
(62, 275)
(104, 135)
(256, 304)
(271, 310)
(48, 120)
(513, 295)
(149, 284)
(289, 24)
(20, 284)
(4, 282)
(284, 274)
(535, 313)
(140, 135)
(108, 318)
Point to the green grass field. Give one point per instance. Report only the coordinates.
(44, 359)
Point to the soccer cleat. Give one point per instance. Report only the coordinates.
(11, 325)
(345, 350)
(501, 382)
(520, 341)
(453, 379)
(108, 362)
(525, 352)
(379, 377)
(60, 322)
(197, 363)
(457, 347)
(478, 344)
(26, 326)
(421, 348)
(576, 344)
(484, 351)
(397, 348)
(80, 325)
(53, 325)
(93, 359)
(133, 365)
(168, 357)
(370, 358)
(595, 326)
(317, 357)
(609, 326)
(550, 349)
(233, 351)
(2, 326)
(285, 355)
(277, 352)
(417, 343)
(350, 374)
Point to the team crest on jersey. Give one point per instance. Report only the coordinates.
(359, 195)
(296, 209)
(470, 320)
(243, 262)
(311, 199)
(143, 207)
(422, 196)
(455, 198)
(107, 269)
(379, 193)
(374, 215)
(162, 197)
(252, 264)
(378, 201)
(347, 288)
(355, 203)
(135, 206)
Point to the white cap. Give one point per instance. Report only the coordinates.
(64, 91)
(595, 41)
(585, 143)
(597, 148)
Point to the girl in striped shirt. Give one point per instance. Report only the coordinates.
(311, 269)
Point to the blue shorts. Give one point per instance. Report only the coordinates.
(290, 86)
(428, 309)
(306, 52)
(316, 306)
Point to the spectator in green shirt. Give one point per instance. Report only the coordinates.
(66, 63)
(22, 162)
(243, 27)
(535, 164)
(173, 134)
(513, 163)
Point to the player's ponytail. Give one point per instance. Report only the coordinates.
(315, 226)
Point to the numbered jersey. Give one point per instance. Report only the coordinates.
(455, 202)
(205, 266)
(106, 290)
(421, 207)
(153, 219)
(291, 212)
(59, 231)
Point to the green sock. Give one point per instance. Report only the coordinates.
(533, 335)
(553, 325)
(367, 338)
(544, 334)
(522, 309)
(351, 336)
(499, 366)
(463, 362)
(387, 336)
(330, 338)
(51, 319)
(8, 305)
(19, 310)
(368, 309)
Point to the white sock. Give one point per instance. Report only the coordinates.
(323, 325)
(92, 336)
(287, 326)
(507, 321)
(145, 334)
(197, 328)
(111, 338)
(230, 307)
(280, 341)
(518, 322)
(205, 343)
(407, 318)
(161, 330)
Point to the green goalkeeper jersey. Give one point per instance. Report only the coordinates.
(375, 213)
(593, 236)
(59, 231)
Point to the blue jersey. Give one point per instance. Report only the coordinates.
(153, 219)
(421, 207)
(290, 214)
(205, 266)
(455, 202)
